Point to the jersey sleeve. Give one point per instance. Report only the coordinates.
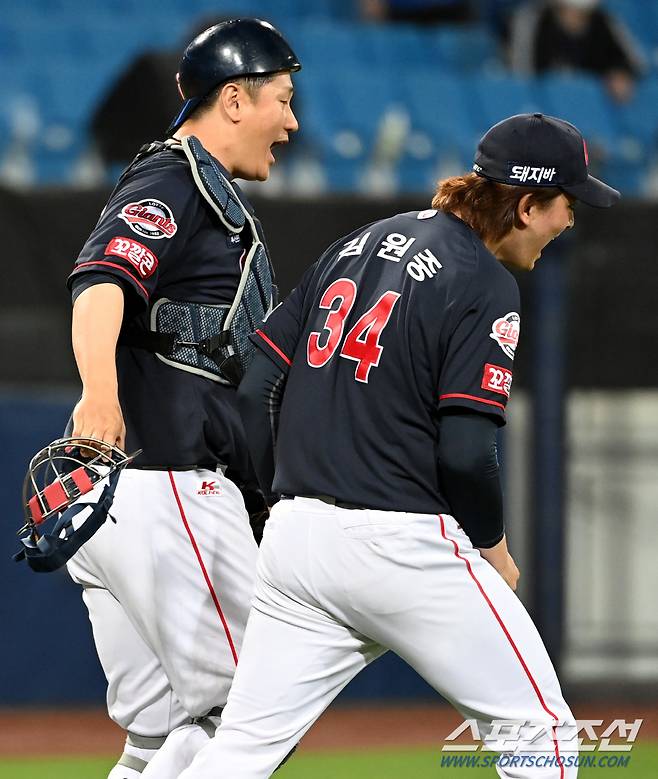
(140, 231)
(477, 360)
(279, 334)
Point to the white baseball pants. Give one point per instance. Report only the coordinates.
(336, 588)
(168, 589)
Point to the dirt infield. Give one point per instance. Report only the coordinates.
(29, 733)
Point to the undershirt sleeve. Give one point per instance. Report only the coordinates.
(259, 400)
(468, 474)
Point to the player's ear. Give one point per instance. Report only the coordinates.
(523, 208)
(230, 98)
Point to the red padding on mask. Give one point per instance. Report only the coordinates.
(81, 480)
(55, 495)
(35, 509)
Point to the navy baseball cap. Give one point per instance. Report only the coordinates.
(230, 49)
(535, 150)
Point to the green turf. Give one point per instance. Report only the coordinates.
(56, 768)
(389, 764)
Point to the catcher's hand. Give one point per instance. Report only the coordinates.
(257, 508)
(99, 417)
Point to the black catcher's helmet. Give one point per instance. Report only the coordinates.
(239, 47)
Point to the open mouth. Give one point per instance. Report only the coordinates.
(274, 145)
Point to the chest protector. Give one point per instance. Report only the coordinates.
(206, 339)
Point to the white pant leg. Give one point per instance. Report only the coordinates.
(139, 696)
(405, 582)
(453, 618)
(177, 753)
(295, 660)
(181, 561)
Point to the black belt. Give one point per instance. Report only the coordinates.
(341, 504)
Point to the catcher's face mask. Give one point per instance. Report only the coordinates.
(56, 478)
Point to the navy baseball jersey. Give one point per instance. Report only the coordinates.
(158, 238)
(395, 323)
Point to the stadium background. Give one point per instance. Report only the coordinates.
(386, 110)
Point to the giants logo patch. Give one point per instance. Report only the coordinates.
(138, 255)
(505, 332)
(497, 379)
(149, 218)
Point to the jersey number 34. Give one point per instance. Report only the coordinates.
(361, 343)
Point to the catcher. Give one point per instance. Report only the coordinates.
(166, 290)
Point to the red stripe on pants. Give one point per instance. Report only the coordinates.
(204, 571)
(535, 687)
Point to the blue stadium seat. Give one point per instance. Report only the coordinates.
(15, 76)
(394, 47)
(112, 39)
(64, 53)
(340, 123)
(638, 121)
(639, 118)
(5, 122)
(340, 102)
(584, 102)
(438, 106)
(89, 45)
(297, 9)
(10, 49)
(202, 8)
(613, 154)
(443, 130)
(43, 39)
(328, 45)
(639, 16)
(70, 10)
(272, 10)
(641, 20)
(67, 94)
(494, 98)
(465, 47)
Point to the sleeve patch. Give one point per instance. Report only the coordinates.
(505, 332)
(149, 218)
(497, 379)
(138, 255)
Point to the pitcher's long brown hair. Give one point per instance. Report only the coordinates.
(486, 206)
